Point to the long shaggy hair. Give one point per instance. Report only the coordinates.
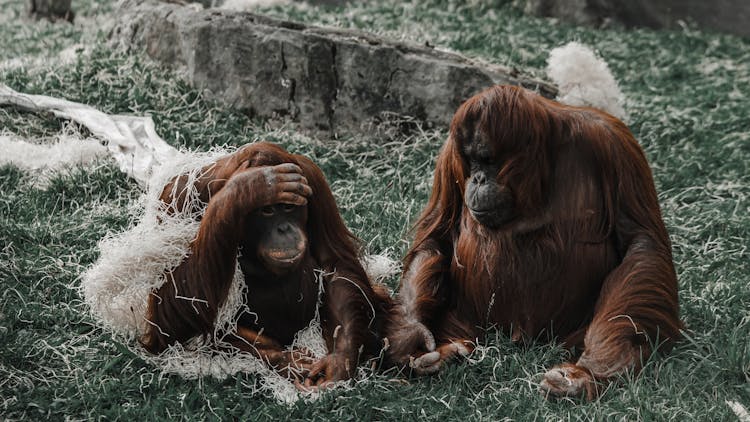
(586, 255)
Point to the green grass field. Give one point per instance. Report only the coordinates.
(687, 98)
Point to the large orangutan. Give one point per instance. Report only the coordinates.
(543, 222)
(274, 213)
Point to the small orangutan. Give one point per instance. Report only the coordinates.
(274, 214)
(544, 223)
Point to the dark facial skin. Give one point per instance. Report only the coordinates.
(274, 259)
(489, 201)
(281, 239)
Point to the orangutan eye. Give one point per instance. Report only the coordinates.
(289, 207)
(266, 211)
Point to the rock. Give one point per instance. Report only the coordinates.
(53, 10)
(731, 16)
(323, 79)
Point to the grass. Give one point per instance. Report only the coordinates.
(687, 101)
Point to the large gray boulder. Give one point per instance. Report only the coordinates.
(323, 79)
(731, 16)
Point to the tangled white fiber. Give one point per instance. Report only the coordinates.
(584, 79)
(739, 410)
(67, 150)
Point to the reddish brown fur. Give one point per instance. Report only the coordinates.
(286, 303)
(587, 259)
